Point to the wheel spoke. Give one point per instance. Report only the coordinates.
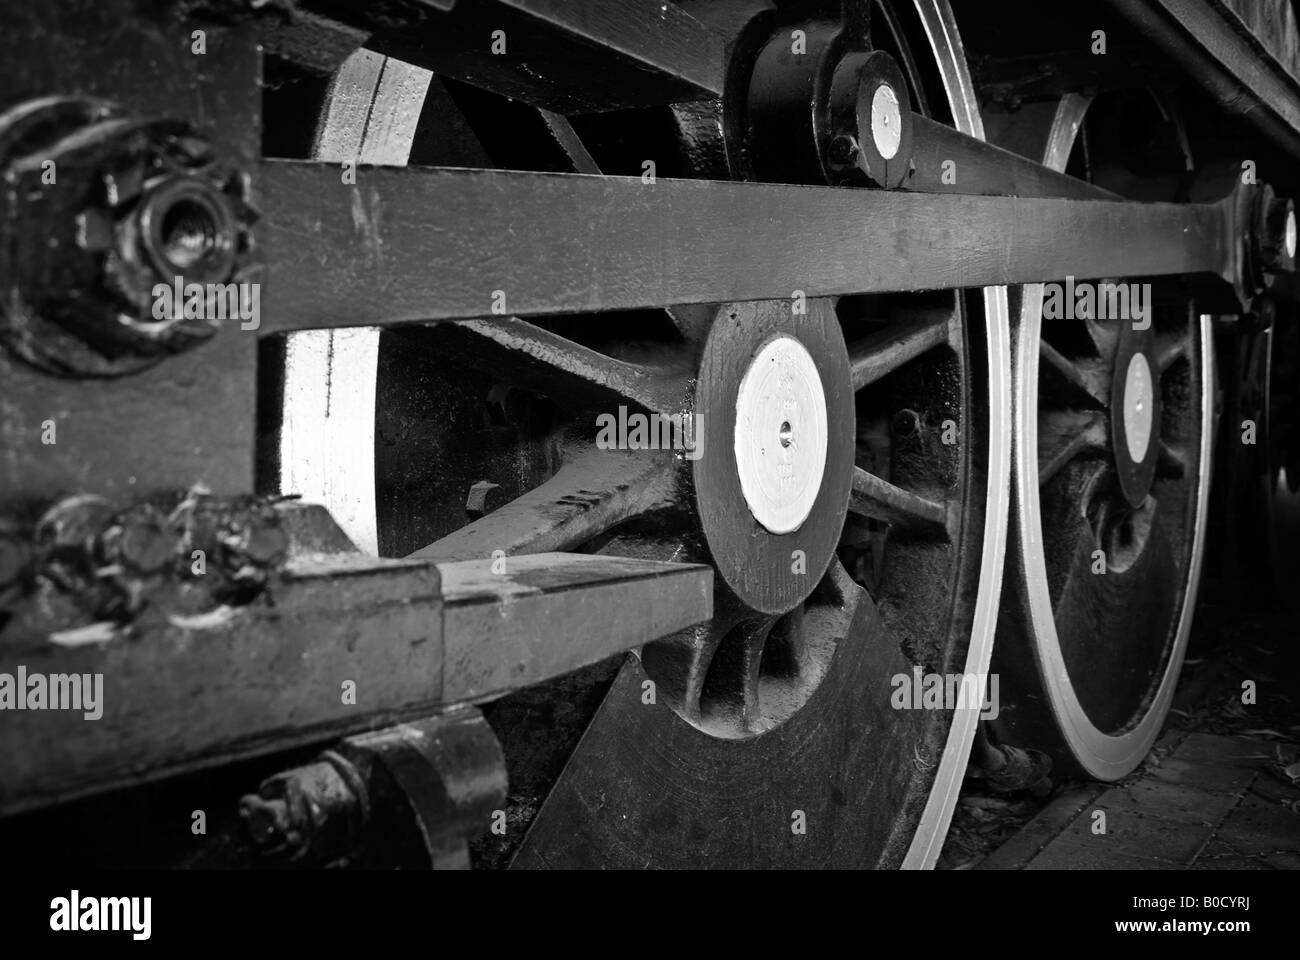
(884, 352)
(904, 511)
(1124, 617)
(1085, 378)
(1105, 339)
(1064, 435)
(696, 648)
(444, 124)
(693, 320)
(681, 662)
(588, 496)
(699, 134)
(566, 139)
(1168, 350)
(754, 638)
(536, 358)
(1173, 461)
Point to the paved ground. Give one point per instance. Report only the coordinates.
(1214, 793)
(1201, 801)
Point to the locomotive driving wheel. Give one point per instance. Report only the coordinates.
(842, 464)
(1112, 426)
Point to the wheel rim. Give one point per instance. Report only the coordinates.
(941, 30)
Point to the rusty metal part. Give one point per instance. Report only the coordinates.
(243, 536)
(87, 560)
(132, 222)
(412, 795)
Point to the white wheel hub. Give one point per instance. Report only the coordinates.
(780, 437)
(886, 122)
(1138, 402)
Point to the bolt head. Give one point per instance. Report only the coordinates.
(257, 537)
(265, 820)
(906, 423)
(139, 539)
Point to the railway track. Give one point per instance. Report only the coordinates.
(510, 433)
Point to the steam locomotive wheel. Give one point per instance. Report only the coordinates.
(1110, 477)
(843, 468)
